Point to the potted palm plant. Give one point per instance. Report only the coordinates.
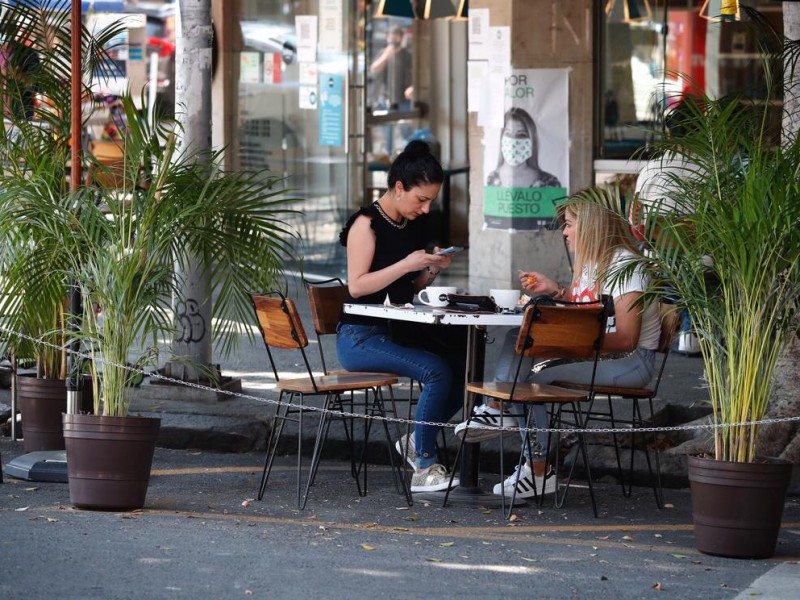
(34, 152)
(726, 243)
(118, 243)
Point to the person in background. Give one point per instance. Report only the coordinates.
(387, 261)
(518, 164)
(600, 242)
(393, 69)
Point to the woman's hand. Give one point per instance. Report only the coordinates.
(421, 261)
(536, 283)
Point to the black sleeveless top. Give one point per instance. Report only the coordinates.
(392, 244)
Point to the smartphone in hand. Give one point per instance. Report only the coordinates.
(449, 251)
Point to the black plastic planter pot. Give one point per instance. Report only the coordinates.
(41, 402)
(737, 507)
(109, 460)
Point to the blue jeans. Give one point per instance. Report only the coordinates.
(371, 348)
(635, 370)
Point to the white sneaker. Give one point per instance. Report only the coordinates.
(485, 423)
(433, 479)
(544, 485)
(688, 344)
(400, 446)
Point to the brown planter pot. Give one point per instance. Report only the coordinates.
(42, 402)
(737, 507)
(109, 460)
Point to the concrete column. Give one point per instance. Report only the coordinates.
(544, 34)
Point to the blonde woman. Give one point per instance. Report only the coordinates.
(600, 243)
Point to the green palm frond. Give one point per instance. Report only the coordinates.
(120, 240)
(726, 244)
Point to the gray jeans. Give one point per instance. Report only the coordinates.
(634, 370)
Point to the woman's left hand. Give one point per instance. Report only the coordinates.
(440, 262)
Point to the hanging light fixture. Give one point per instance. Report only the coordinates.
(434, 9)
(721, 10)
(394, 8)
(462, 10)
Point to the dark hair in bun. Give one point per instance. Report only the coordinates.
(414, 166)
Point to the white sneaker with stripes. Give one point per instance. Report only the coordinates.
(544, 485)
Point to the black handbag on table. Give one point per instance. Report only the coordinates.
(471, 303)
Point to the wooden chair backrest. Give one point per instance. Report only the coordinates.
(326, 301)
(562, 331)
(279, 321)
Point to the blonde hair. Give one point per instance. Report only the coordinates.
(599, 232)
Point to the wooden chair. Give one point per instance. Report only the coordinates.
(282, 329)
(326, 299)
(670, 322)
(565, 331)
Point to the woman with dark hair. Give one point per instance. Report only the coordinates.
(386, 258)
(518, 164)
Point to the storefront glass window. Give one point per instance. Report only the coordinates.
(656, 53)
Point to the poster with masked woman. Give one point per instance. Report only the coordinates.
(527, 160)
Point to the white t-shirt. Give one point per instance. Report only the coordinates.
(585, 289)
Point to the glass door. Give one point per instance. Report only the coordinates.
(301, 112)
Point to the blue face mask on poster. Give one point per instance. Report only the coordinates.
(516, 151)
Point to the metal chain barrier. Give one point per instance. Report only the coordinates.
(340, 413)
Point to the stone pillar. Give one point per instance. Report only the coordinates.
(544, 34)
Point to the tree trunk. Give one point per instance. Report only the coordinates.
(193, 111)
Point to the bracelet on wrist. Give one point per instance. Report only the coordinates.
(559, 293)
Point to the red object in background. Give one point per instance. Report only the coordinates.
(165, 47)
(686, 47)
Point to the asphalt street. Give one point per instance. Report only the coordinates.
(203, 534)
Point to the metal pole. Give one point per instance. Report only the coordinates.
(73, 378)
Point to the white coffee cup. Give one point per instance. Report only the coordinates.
(506, 299)
(435, 296)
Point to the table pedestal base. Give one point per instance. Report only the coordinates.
(466, 496)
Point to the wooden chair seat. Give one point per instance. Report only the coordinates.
(610, 390)
(336, 382)
(526, 392)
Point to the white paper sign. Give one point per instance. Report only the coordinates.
(306, 31)
(249, 67)
(308, 73)
(477, 32)
(477, 72)
(331, 17)
(308, 97)
(500, 48)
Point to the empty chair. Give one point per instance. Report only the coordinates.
(282, 329)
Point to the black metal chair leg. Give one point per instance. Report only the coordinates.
(626, 490)
(272, 446)
(322, 434)
(657, 489)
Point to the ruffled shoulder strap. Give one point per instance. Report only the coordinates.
(367, 211)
